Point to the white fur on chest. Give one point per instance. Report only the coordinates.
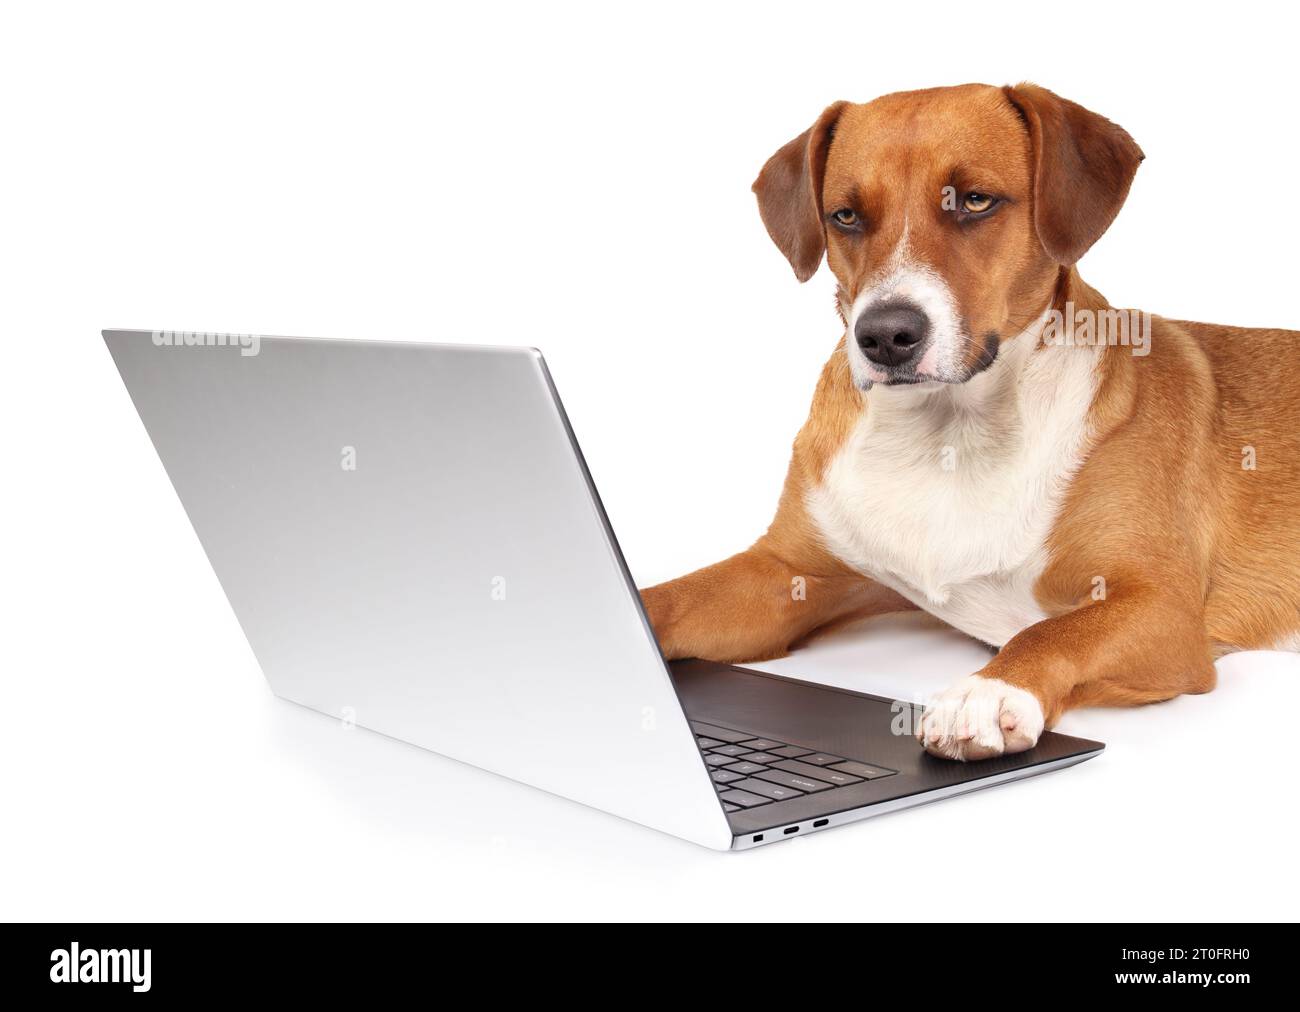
(948, 494)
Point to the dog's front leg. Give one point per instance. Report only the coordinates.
(758, 604)
(1142, 645)
(788, 586)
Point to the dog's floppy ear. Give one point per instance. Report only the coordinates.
(1083, 166)
(789, 193)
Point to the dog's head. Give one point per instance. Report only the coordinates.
(946, 216)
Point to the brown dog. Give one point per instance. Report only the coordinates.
(1110, 498)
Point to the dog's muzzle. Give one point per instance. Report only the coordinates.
(892, 333)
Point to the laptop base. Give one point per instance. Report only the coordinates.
(864, 744)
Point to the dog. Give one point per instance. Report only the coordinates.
(1110, 499)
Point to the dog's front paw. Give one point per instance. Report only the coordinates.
(979, 718)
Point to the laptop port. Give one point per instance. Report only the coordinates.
(821, 822)
(758, 838)
(790, 829)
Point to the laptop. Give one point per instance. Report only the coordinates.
(411, 542)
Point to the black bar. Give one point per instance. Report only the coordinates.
(980, 962)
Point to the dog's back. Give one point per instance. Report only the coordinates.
(1255, 579)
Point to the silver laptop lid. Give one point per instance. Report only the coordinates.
(410, 540)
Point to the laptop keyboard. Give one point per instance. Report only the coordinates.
(749, 770)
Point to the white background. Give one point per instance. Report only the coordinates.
(575, 178)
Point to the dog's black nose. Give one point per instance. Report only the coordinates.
(890, 334)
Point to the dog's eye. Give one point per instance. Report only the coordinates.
(976, 203)
(845, 217)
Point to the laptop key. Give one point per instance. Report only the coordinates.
(791, 752)
(727, 777)
(821, 759)
(856, 769)
(762, 744)
(719, 760)
(802, 784)
(736, 750)
(744, 799)
(708, 742)
(744, 767)
(762, 758)
(825, 773)
(730, 808)
(709, 731)
(769, 790)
